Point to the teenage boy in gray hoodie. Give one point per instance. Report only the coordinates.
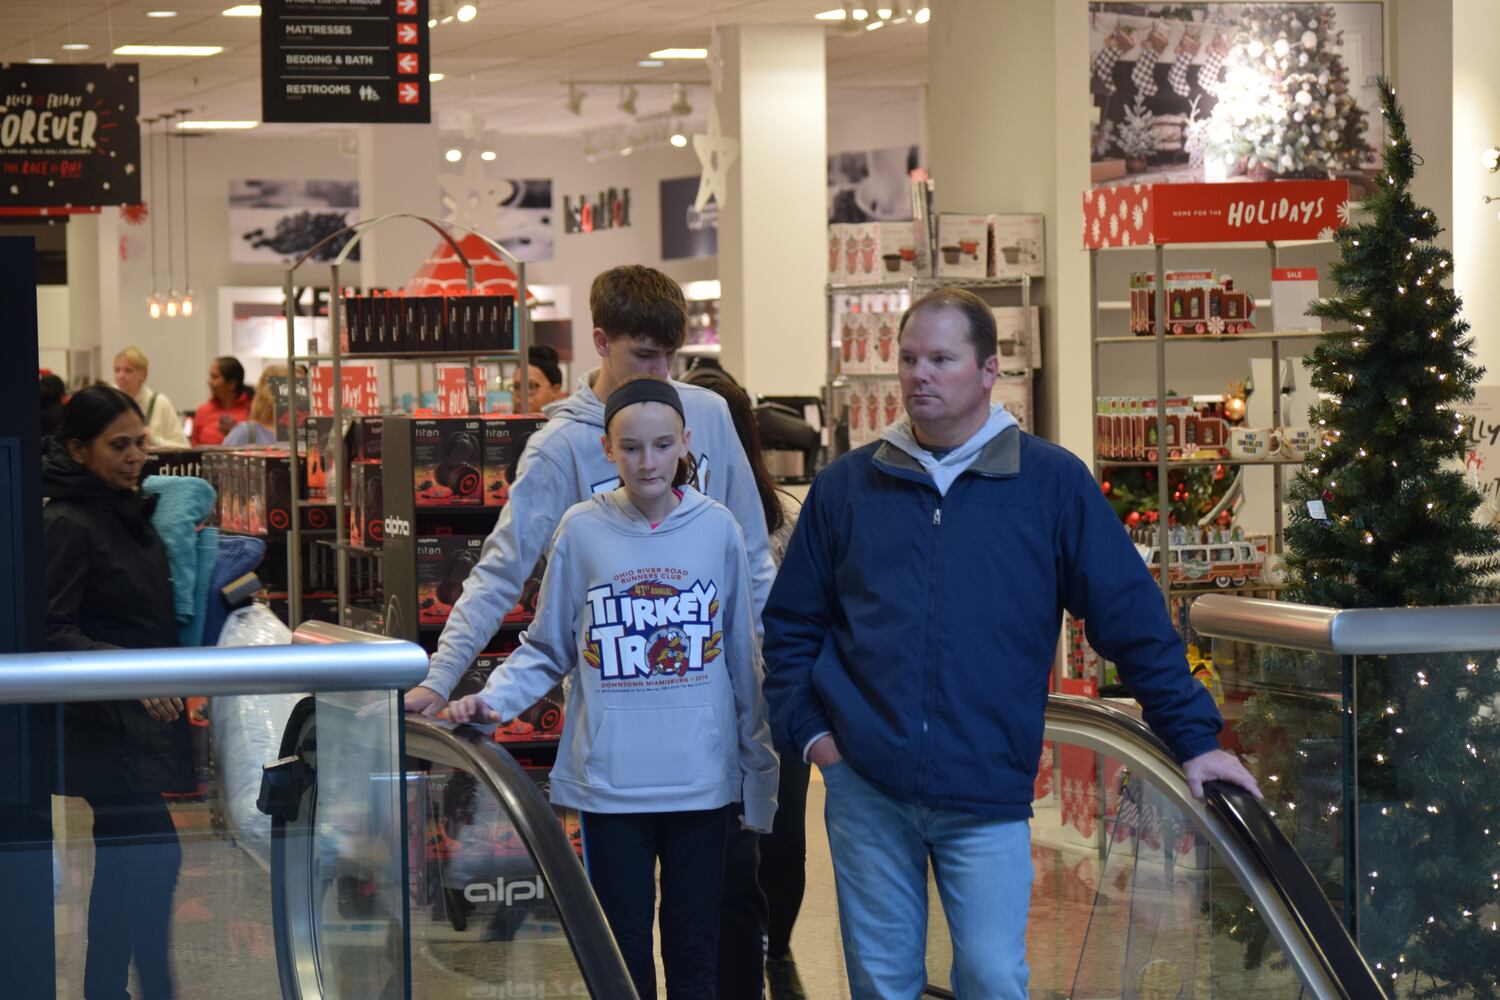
(640, 320)
(646, 603)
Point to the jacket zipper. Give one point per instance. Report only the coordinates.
(937, 516)
(924, 757)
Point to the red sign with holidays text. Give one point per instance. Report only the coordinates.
(454, 390)
(361, 389)
(1154, 214)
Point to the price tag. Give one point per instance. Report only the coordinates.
(1316, 510)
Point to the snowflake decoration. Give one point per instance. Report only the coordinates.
(1326, 233)
(1346, 213)
(1125, 238)
(129, 169)
(89, 87)
(1139, 216)
(1114, 227)
(1124, 210)
(1093, 229)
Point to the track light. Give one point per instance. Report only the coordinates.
(575, 98)
(680, 106)
(628, 94)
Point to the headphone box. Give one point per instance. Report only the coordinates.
(443, 563)
(497, 323)
(366, 433)
(429, 335)
(366, 505)
(460, 335)
(448, 461)
(542, 721)
(504, 437)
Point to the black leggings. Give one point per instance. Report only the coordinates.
(136, 859)
(783, 856)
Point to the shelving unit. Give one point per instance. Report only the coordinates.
(336, 357)
(1161, 342)
(913, 287)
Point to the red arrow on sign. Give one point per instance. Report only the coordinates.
(406, 33)
(407, 7)
(408, 64)
(408, 93)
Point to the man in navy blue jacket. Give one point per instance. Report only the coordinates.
(909, 640)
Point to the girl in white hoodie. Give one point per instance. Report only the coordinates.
(665, 748)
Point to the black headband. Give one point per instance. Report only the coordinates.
(642, 390)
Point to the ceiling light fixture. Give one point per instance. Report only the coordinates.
(169, 50)
(678, 139)
(628, 94)
(435, 78)
(873, 25)
(161, 13)
(860, 14)
(575, 98)
(680, 54)
(431, 22)
(680, 106)
(651, 63)
(41, 61)
(923, 16)
(831, 15)
(453, 155)
(488, 156)
(467, 13)
(77, 46)
(884, 13)
(243, 10)
(214, 126)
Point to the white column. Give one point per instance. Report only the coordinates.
(398, 167)
(772, 226)
(1476, 128)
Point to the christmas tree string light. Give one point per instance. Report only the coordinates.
(1394, 532)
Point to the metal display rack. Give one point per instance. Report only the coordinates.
(914, 287)
(1160, 341)
(356, 232)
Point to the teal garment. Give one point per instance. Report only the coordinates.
(191, 632)
(183, 503)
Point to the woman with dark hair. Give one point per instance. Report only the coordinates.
(228, 402)
(783, 852)
(108, 587)
(544, 380)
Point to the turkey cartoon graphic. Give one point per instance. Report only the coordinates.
(653, 631)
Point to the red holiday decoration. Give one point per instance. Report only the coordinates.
(1152, 214)
(443, 273)
(135, 215)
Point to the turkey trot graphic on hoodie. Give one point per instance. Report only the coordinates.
(646, 632)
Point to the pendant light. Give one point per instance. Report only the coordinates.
(187, 258)
(173, 304)
(154, 303)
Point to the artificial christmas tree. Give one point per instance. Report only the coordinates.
(1285, 106)
(1380, 516)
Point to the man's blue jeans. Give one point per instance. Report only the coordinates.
(881, 847)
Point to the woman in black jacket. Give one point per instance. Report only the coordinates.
(108, 587)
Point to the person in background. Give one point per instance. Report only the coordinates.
(162, 422)
(108, 587)
(228, 402)
(775, 899)
(54, 394)
(259, 427)
(544, 379)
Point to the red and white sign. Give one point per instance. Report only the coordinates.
(408, 64)
(454, 390)
(1293, 291)
(406, 8)
(361, 389)
(406, 33)
(408, 93)
(1154, 214)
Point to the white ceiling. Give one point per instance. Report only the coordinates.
(508, 67)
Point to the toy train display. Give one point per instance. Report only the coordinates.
(1225, 562)
(1198, 302)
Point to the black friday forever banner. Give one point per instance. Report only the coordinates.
(69, 135)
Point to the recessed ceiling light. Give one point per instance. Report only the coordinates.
(243, 10)
(860, 13)
(436, 77)
(210, 126)
(447, 20)
(923, 16)
(680, 54)
(874, 24)
(41, 60)
(161, 13)
(488, 156)
(169, 50)
(468, 12)
(679, 140)
(651, 63)
(884, 13)
(831, 15)
(76, 46)
(453, 155)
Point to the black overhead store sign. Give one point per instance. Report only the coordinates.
(68, 135)
(344, 61)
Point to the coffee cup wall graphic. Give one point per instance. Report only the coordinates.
(69, 136)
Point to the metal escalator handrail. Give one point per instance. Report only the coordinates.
(583, 922)
(318, 660)
(1353, 632)
(1285, 893)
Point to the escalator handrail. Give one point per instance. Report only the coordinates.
(583, 921)
(1458, 628)
(1294, 908)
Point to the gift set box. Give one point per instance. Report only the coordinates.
(1198, 302)
(366, 505)
(868, 253)
(964, 246)
(1020, 246)
(1014, 393)
(1126, 428)
(443, 563)
(448, 461)
(504, 437)
(874, 404)
(1019, 341)
(255, 493)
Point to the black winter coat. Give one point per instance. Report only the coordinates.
(108, 587)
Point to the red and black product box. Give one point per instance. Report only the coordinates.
(349, 340)
(504, 437)
(443, 563)
(366, 505)
(496, 328)
(542, 721)
(267, 477)
(428, 335)
(365, 437)
(458, 334)
(317, 444)
(448, 462)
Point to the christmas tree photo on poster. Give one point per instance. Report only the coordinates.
(1195, 92)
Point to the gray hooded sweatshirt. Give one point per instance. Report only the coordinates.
(564, 464)
(665, 711)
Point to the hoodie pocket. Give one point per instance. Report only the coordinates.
(657, 747)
